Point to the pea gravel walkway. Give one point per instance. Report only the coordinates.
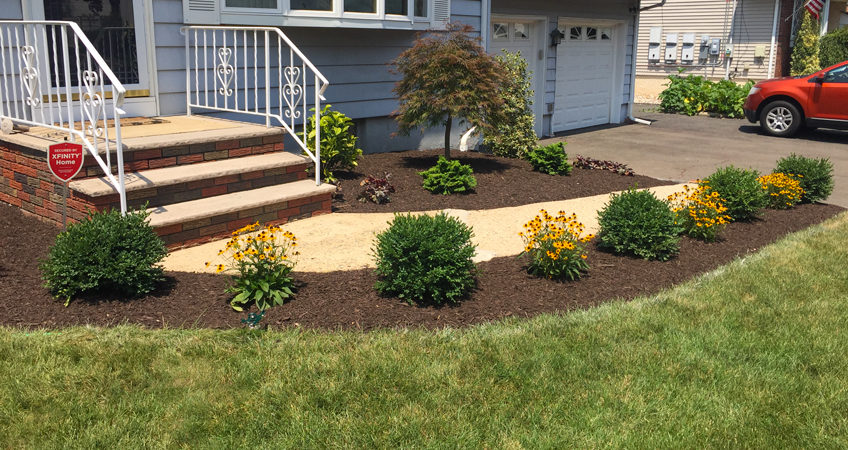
(343, 241)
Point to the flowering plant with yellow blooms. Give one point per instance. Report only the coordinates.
(783, 190)
(700, 211)
(554, 244)
(260, 259)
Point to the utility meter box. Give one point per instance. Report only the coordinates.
(687, 50)
(654, 43)
(705, 48)
(715, 47)
(671, 47)
(760, 51)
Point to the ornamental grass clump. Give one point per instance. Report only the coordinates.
(638, 223)
(550, 159)
(449, 176)
(261, 264)
(106, 252)
(555, 246)
(425, 259)
(740, 191)
(814, 174)
(700, 212)
(783, 191)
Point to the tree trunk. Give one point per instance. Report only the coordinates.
(448, 124)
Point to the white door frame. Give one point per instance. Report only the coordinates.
(141, 99)
(619, 41)
(540, 68)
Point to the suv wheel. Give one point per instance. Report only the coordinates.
(780, 118)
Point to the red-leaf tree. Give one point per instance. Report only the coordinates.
(445, 76)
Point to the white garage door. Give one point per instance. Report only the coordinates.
(584, 74)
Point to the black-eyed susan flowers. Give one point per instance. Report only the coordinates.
(554, 244)
(783, 190)
(700, 211)
(261, 260)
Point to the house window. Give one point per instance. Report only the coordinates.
(500, 31)
(520, 32)
(261, 4)
(397, 7)
(421, 8)
(312, 5)
(575, 33)
(360, 6)
(591, 34)
(606, 34)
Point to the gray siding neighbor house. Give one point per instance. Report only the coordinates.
(580, 51)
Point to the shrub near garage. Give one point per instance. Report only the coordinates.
(262, 265)
(782, 191)
(550, 159)
(638, 223)
(700, 212)
(105, 253)
(554, 245)
(425, 259)
(814, 174)
(513, 133)
(449, 176)
(741, 191)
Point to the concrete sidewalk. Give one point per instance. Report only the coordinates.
(344, 241)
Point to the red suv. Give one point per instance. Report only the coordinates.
(783, 105)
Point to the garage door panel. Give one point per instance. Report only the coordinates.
(583, 85)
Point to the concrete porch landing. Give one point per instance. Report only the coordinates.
(141, 133)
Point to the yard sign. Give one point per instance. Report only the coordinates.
(65, 160)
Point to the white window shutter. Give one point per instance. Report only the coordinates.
(441, 14)
(201, 12)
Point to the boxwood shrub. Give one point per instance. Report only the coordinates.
(814, 174)
(638, 223)
(425, 259)
(105, 253)
(741, 191)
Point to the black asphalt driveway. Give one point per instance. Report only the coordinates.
(682, 148)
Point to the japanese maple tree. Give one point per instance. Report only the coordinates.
(448, 76)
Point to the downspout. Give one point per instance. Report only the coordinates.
(634, 58)
(485, 8)
(773, 39)
(729, 45)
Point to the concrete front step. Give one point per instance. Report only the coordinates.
(176, 184)
(197, 221)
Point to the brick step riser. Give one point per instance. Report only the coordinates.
(193, 190)
(217, 227)
(158, 158)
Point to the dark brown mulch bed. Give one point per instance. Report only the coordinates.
(347, 300)
(501, 182)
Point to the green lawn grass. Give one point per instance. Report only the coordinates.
(752, 355)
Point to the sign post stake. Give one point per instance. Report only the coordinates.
(65, 207)
(65, 161)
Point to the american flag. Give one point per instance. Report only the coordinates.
(815, 7)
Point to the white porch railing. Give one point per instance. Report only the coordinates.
(52, 76)
(255, 71)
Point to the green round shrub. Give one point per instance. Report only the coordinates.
(550, 159)
(425, 259)
(105, 253)
(638, 223)
(740, 189)
(815, 175)
(449, 176)
(833, 48)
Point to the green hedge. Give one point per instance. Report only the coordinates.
(834, 47)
